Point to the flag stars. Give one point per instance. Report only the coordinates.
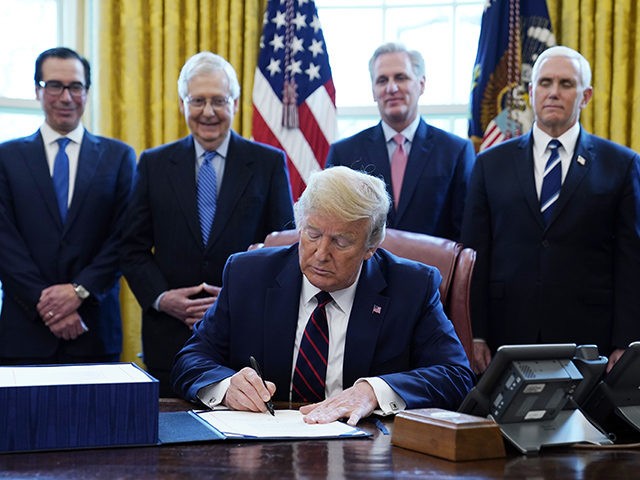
(277, 43)
(302, 2)
(300, 21)
(313, 71)
(294, 67)
(315, 24)
(316, 48)
(280, 19)
(297, 45)
(274, 67)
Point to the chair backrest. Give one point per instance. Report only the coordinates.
(454, 262)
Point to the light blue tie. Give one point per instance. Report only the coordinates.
(207, 193)
(551, 181)
(61, 177)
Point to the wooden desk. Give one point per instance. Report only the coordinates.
(334, 459)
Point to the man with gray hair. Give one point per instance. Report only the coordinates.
(554, 216)
(337, 323)
(197, 201)
(425, 169)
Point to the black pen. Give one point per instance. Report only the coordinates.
(256, 367)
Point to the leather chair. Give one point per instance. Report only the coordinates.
(453, 260)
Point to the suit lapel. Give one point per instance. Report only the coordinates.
(578, 168)
(88, 160)
(523, 162)
(182, 178)
(281, 319)
(35, 158)
(419, 159)
(237, 175)
(367, 315)
(377, 161)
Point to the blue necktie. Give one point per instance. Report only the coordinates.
(311, 367)
(61, 177)
(551, 181)
(207, 193)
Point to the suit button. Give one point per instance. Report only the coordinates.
(545, 243)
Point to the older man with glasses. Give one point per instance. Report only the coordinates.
(197, 201)
(63, 194)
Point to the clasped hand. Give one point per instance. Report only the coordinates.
(58, 307)
(247, 392)
(179, 302)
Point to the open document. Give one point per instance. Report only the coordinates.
(285, 424)
(193, 426)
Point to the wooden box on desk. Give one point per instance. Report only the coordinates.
(52, 407)
(446, 434)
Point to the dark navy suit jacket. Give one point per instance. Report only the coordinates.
(163, 245)
(408, 341)
(37, 250)
(575, 280)
(435, 182)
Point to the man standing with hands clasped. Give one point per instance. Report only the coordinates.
(333, 320)
(63, 194)
(196, 201)
(555, 219)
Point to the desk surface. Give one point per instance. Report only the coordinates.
(354, 458)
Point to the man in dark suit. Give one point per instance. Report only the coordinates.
(63, 194)
(555, 268)
(429, 196)
(386, 342)
(173, 258)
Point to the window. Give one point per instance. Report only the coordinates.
(445, 32)
(28, 27)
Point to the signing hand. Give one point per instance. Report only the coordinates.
(481, 356)
(179, 304)
(353, 403)
(247, 391)
(57, 302)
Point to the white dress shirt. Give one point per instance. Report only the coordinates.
(50, 138)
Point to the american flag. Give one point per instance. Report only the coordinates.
(294, 100)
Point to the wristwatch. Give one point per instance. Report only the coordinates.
(81, 292)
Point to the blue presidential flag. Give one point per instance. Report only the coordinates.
(512, 35)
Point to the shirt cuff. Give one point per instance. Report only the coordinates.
(212, 395)
(156, 304)
(389, 401)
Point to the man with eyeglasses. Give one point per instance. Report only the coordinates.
(63, 194)
(197, 201)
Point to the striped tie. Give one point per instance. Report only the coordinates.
(61, 177)
(311, 366)
(207, 193)
(551, 181)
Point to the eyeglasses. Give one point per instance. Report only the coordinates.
(217, 103)
(54, 87)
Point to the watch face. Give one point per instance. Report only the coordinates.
(81, 291)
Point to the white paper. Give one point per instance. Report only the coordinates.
(285, 424)
(44, 375)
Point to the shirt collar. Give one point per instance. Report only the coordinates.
(408, 132)
(221, 150)
(49, 135)
(343, 298)
(568, 139)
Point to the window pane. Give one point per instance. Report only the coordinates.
(28, 27)
(13, 125)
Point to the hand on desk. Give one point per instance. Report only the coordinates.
(247, 391)
(354, 403)
(178, 302)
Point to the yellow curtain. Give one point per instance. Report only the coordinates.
(142, 45)
(608, 35)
